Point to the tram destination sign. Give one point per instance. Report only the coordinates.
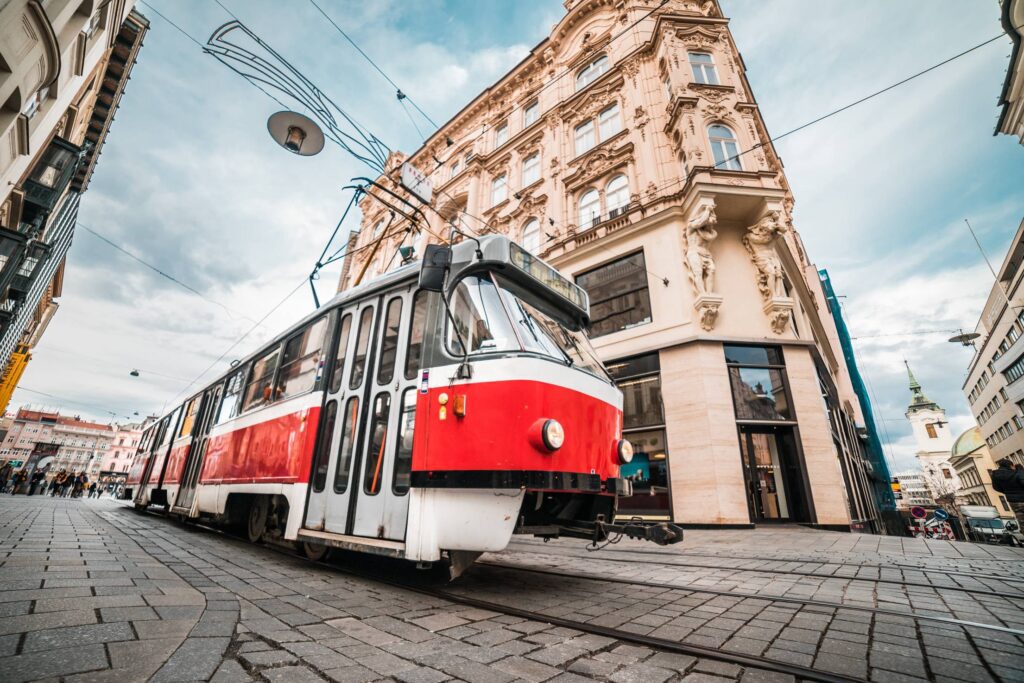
(549, 277)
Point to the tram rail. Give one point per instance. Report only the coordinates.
(755, 596)
(916, 584)
(798, 671)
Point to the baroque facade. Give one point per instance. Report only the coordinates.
(63, 68)
(1011, 100)
(628, 151)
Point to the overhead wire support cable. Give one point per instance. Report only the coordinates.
(372, 63)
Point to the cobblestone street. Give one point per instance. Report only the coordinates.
(95, 591)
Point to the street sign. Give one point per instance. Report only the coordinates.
(420, 185)
(941, 515)
(16, 463)
(918, 512)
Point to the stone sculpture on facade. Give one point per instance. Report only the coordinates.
(700, 232)
(760, 243)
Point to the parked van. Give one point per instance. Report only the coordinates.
(984, 524)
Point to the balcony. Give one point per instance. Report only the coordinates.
(49, 178)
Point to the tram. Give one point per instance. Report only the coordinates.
(428, 414)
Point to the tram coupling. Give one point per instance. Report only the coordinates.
(662, 533)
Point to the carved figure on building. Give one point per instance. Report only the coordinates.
(759, 243)
(700, 232)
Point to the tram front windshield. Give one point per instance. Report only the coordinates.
(492, 317)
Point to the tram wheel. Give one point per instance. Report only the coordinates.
(314, 551)
(259, 511)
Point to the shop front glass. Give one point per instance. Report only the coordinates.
(639, 379)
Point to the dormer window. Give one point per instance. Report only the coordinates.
(591, 72)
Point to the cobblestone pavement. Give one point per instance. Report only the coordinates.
(94, 591)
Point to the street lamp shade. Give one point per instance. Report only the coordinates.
(296, 133)
(134, 373)
(965, 338)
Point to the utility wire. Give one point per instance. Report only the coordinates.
(173, 279)
(237, 342)
(902, 334)
(398, 91)
(68, 400)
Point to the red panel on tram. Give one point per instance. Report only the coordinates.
(279, 450)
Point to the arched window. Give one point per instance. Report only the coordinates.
(590, 208)
(591, 72)
(724, 148)
(378, 227)
(616, 194)
(531, 236)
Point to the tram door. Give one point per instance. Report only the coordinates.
(197, 452)
(340, 419)
(385, 452)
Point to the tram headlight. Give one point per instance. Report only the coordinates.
(625, 450)
(553, 435)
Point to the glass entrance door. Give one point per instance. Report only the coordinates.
(774, 485)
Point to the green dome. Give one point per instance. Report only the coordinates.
(968, 442)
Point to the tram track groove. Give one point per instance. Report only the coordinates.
(799, 672)
(961, 589)
(893, 566)
(756, 596)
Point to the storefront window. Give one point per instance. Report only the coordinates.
(643, 415)
(759, 394)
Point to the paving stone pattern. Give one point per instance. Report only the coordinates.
(94, 591)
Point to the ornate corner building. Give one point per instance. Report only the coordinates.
(63, 68)
(628, 150)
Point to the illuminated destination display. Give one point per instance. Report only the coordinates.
(549, 277)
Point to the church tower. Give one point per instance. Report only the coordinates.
(933, 439)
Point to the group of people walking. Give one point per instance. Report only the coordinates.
(63, 484)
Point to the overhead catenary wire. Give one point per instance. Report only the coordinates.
(64, 399)
(162, 273)
(399, 93)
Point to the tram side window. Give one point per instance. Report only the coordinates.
(347, 446)
(403, 455)
(190, 417)
(339, 356)
(259, 390)
(362, 342)
(378, 442)
(419, 323)
(232, 395)
(301, 360)
(323, 452)
(389, 342)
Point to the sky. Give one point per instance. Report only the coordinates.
(190, 181)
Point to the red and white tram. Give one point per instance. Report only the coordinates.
(433, 411)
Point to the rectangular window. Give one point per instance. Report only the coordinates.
(339, 357)
(930, 428)
(232, 394)
(609, 121)
(641, 402)
(753, 355)
(531, 169)
(1015, 371)
(584, 136)
(389, 342)
(300, 364)
(530, 113)
(378, 442)
(499, 189)
(362, 343)
(759, 394)
(619, 298)
(403, 454)
(259, 389)
(455, 169)
(419, 322)
(501, 134)
(347, 446)
(28, 266)
(323, 447)
(190, 417)
(703, 67)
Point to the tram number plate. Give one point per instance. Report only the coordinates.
(425, 381)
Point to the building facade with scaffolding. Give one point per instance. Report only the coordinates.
(628, 151)
(64, 68)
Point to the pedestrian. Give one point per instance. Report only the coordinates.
(5, 474)
(76, 488)
(1008, 480)
(19, 479)
(92, 490)
(53, 483)
(36, 481)
(65, 485)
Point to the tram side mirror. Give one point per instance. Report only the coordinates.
(436, 260)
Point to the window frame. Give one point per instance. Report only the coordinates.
(499, 184)
(593, 219)
(531, 163)
(593, 300)
(273, 377)
(730, 161)
(531, 113)
(501, 134)
(390, 311)
(623, 190)
(325, 319)
(419, 306)
(531, 228)
(602, 123)
(591, 72)
(703, 68)
(578, 137)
